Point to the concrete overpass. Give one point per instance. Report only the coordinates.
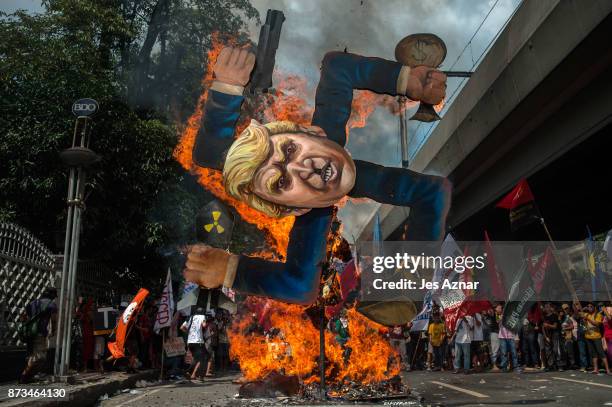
(543, 87)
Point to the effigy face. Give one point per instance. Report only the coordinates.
(305, 170)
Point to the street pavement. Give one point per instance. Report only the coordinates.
(570, 388)
(534, 388)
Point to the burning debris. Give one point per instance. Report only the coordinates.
(279, 337)
(273, 385)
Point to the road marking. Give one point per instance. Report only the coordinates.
(583, 382)
(466, 391)
(138, 398)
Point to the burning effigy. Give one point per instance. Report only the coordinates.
(287, 177)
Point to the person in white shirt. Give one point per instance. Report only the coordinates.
(507, 344)
(463, 340)
(476, 347)
(195, 340)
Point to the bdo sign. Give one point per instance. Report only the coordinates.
(84, 107)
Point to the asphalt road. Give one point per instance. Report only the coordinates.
(570, 388)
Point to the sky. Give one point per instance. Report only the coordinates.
(371, 28)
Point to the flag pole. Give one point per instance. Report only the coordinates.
(566, 279)
(415, 350)
(161, 370)
(322, 390)
(604, 272)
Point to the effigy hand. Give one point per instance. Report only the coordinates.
(206, 266)
(426, 84)
(234, 66)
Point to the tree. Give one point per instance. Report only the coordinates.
(164, 58)
(139, 200)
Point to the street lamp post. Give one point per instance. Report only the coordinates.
(78, 158)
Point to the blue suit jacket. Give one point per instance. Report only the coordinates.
(297, 280)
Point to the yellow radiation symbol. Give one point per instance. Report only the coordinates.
(216, 216)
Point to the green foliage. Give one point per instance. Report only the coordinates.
(140, 203)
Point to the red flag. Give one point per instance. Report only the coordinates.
(128, 317)
(497, 285)
(521, 194)
(468, 306)
(521, 204)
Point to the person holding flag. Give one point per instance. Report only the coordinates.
(125, 325)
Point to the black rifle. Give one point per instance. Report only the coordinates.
(269, 37)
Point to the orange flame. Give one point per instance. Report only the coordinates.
(295, 350)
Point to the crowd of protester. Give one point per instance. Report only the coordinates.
(553, 337)
(205, 336)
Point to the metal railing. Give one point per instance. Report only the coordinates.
(27, 267)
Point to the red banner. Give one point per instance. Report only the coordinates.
(520, 195)
(498, 291)
(467, 307)
(521, 204)
(128, 317)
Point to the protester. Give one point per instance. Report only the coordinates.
(529, 337)
(486, 338)
(194, 327)
(51, 346)
(222, 355)
(495, 321)
(84, 317)
(132, 350)
(581, 342)
(399, 335)
(478, 361)
(567, 337)
(144, 325)
(463, 341)
(37, 317)
(211, 340)
(594, 321)
(607, 324)
(76, 341)
(507, 345)
(437, 334)
(551, 329)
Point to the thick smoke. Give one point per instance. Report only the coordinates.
(373, 28)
